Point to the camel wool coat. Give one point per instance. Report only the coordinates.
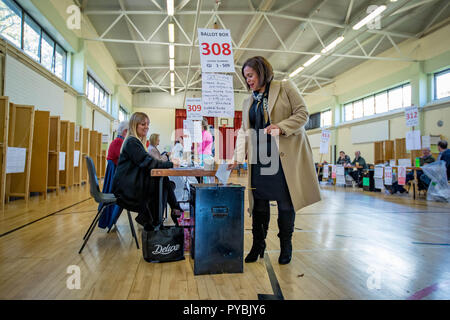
(288, 111)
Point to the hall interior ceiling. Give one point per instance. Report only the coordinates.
(287, 32)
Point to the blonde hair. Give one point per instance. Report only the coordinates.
(153, 139)
(135, 119)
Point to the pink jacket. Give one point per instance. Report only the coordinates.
(206, 146)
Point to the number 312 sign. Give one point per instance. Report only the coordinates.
(194, 109)
(216, 52)
(412, 116)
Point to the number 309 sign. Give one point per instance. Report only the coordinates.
(194, 109)
(216, 52)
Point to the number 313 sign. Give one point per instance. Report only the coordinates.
(216, 52)
(194, 110)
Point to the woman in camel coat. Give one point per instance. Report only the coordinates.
(278, 112)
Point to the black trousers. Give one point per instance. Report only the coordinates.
(261, 219)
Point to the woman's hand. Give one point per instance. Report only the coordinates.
(273, 130)
(232, 166)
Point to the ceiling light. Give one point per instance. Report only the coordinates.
(172, 77)
(171, 51)
(172, 91)
(296, 71)
(172, 64)
(332, 45)
(369, 18)
(171, 32)
(310, 61)
(170, 9)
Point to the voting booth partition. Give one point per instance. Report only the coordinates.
(40, 153)
(63, 154)
(53, 154)
(95, 151)
(85, 136)
(103, 159)
(378, 152)
(4, 118)
(20, 143)
(77, 158)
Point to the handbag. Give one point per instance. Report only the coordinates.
(163, 244)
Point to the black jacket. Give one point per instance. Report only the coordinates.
(360, 161)
(132, 183)
(341, 161)
(445, 155)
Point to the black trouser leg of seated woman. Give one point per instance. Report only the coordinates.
(260, 224)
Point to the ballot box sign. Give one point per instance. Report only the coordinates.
(401, 176)
(333, 172)
(324, 140)
(388, 176)
(379, 183)
(15, 160)
(217, 95)
(404, 162)
(412, 116)
(76, 158)
(378, 172)
(105, 138)
(413, 140)
(366, 181)
(392, 163)
(325, 171)
(340, 171)
(194, 109)
(216, 51)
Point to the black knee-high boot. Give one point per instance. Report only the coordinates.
(260, 218)
(286, 219)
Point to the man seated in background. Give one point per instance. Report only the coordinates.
(444, 154)
(424, 159)
(343, 159)
(358, 162)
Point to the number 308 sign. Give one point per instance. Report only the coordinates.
(194, 109)
(216, 52)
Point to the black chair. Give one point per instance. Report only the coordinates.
(105, 199)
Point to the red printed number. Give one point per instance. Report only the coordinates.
(194, 108)
(216, 49)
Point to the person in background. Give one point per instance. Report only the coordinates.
(204, 149)
(343, 159)
(211, 130)
(133, 185)
(111, 213)
(177, 149)
(426, 157)
(153, 148)
(358, 162)
(444, 154)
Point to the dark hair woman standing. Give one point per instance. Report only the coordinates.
(277, 112)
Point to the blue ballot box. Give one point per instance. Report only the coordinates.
(217, 235)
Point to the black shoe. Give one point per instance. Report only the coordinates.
(257, 250)
(286, 252)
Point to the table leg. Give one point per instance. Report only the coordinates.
(416, 183)
(161, 209)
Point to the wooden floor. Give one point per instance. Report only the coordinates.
(351, 245)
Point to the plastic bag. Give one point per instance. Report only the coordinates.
(439, 189)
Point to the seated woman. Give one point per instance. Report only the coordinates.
(153, 148)
(133, 186)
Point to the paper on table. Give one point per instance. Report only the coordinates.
(340, 171)
(379, 183)
(76, 158)
(378, 172)
(401, 176)
(62, 161)
(404, 162)
(223, 173)
(15, 160)
(325, 171)
(388, 176)
(391, 163)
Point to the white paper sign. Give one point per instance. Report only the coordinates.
(325, 171)
(188, 129)
(324, 141)
(401, 179)
(62, 161)
(77, 133)
(392, 163)
(412, 116)
(388, 176)
(223, 173)
(413, 140)
(197, 131)
(426, 143)
(76, 158)
(187, 144)
(340, 171)
(378, 172)
(404, 162)
(105, 138)
(333, 171)
(216, 51)
(217, 95)
(15, 159)
(379, 183)
(194, 109)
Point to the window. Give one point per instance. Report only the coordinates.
(96, 94)
(369, 106)
(442, 84)
(357, 109)
(47, 47)
(31, 38)
(325, 118)
(381, 102)
(395, 98)
(11, 22)
(407, 95)
(314, 121)
(122, 114)
(35, 42)
(348, 111)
